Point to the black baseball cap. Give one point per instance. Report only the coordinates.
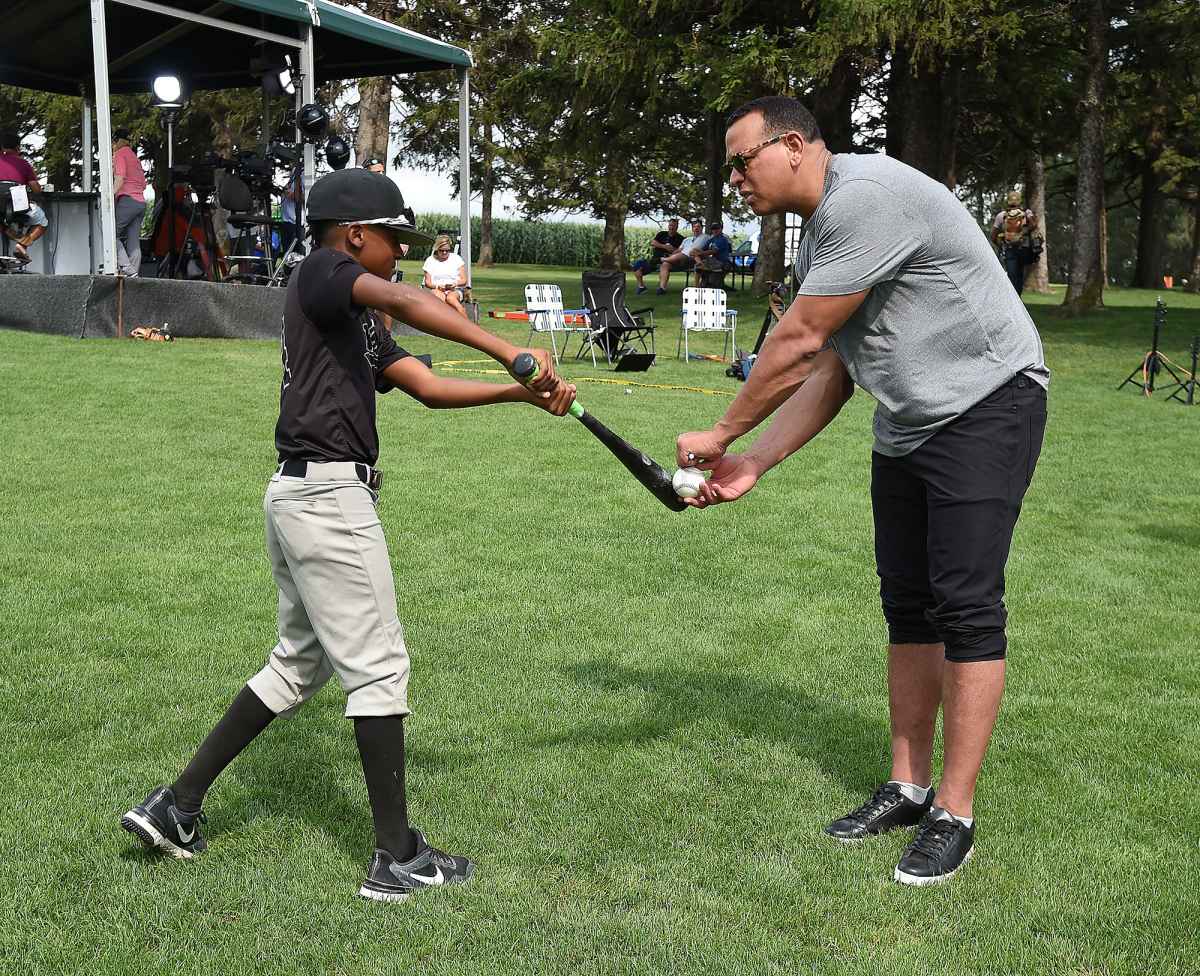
(358, 196)
(373, 161)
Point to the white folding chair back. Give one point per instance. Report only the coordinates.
(544, 305)
(704, 311)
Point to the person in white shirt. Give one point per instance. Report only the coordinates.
(446, 273)
(682, 259)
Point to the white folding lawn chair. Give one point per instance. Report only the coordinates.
(704, 311)
(543, 304)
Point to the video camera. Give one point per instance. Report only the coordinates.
(254, 169)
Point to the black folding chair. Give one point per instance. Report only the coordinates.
(613, 325)
(235, 197)
(743, 262)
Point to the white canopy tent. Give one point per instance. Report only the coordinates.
(44, 48)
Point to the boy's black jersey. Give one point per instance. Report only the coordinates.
(334, 355)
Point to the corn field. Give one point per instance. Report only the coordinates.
(571, 245)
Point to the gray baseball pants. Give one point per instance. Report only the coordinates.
(337, 597)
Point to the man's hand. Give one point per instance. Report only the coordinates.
(699, 449)
(546, 380)
(732, 477)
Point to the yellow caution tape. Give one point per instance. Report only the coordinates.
(452, 366)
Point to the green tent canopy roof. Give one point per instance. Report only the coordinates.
(47, 44)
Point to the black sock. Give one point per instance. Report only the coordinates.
(246, 717)
(381, 748)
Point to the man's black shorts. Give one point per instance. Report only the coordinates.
(944, 519)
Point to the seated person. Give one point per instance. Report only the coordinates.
(665, 243)
(681, 260)
(714, 258)
(446, 274)
(27, 230)
(14, 168)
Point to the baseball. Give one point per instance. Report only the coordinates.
(687, 482)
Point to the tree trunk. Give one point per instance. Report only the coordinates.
(1104, 245)
(1151, 245)
(487, 186)
(832, 104)
(1037, 276)
(951, 114)
(1086, 289)
(374, 117)
(895, 111)
(714, 154)
(769, 264)
(1194, 278)
(612, 248)
(922, 115)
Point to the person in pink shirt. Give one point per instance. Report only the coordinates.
(14, 168)
(129, 192)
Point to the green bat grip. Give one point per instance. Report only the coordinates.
(525, 368)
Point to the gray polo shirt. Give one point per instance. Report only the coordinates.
(942, 326)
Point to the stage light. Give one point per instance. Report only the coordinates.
(277, 77)
(337, 152)
(168, 91)
(285, 76)
(312, 121)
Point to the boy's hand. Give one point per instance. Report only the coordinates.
(558, 402)
(546, 380)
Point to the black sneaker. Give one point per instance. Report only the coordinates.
(887, 809)
(391, 880)
(159, 824)
(942, 846)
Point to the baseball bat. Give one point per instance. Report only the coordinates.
(647, 471)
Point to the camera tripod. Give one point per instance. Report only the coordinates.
(296, 251)
(743, 363)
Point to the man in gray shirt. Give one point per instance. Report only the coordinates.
(900, 294)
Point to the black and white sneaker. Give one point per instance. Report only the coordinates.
(887, 809)
(943, 845)
(161, 825)
(391, 880)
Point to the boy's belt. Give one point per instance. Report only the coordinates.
(333, 471)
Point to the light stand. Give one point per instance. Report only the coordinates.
(1154, 361)
(170, 116)
(1188, 387)
(168, 98)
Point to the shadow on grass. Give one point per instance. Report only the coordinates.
(1118, 326)
(297, 767)
(840, 741)
(1175, 534)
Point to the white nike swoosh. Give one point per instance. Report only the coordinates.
(437, 878)
(186, 838)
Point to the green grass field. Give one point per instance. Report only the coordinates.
(636, 721)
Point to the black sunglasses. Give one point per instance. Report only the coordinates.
(740, 162)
